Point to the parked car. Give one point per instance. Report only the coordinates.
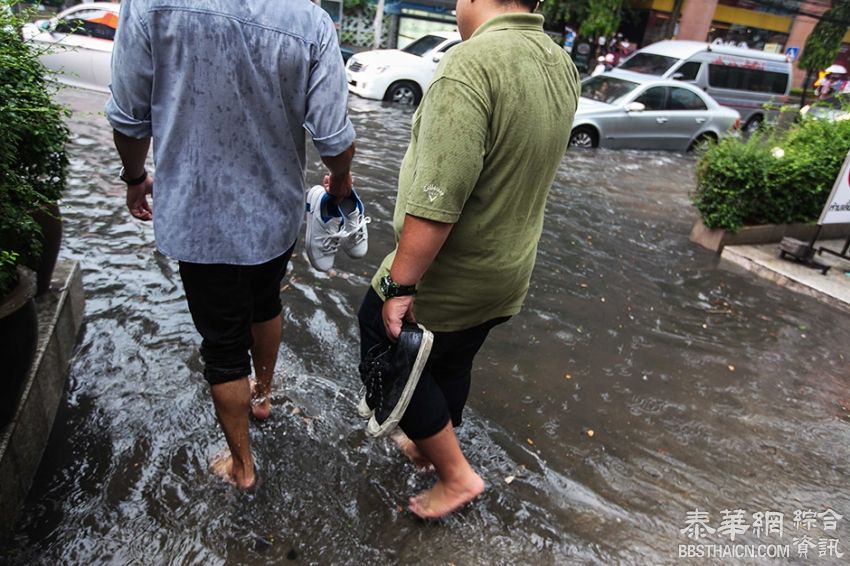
(77, 44)
(743, 79)
(617, 111)
(399, 75)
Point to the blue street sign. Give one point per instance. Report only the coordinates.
(792, 53)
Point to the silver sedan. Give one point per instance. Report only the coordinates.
(621, 110)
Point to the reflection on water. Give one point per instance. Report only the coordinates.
(642, 380)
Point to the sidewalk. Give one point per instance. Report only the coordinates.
(832, 288)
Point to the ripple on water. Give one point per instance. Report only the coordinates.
(125, 477)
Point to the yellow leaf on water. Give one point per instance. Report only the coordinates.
(590, 432)
(531, 442)
(731, 368)
(509, 479)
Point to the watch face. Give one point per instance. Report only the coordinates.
(385, 285)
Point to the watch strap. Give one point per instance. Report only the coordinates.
(392, 289)
(137, 181)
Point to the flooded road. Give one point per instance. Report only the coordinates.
(642, 381)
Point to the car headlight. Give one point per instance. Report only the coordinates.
(375, 69)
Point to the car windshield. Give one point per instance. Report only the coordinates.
(606, 89)
(423, 45)
(648, 63)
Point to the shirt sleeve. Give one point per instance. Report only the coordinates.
(129, 108)
(327, 96)
(450, 149)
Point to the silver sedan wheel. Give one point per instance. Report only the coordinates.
(581, 139)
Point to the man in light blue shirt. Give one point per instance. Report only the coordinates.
(228, 92)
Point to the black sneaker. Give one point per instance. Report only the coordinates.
(391, 374)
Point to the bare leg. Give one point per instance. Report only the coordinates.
(457, 484)
(266, 337)
(232, 402)
(409, 449)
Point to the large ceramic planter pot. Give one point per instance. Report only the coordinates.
(51, 229)
(18, 341)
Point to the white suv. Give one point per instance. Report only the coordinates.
(399, 75)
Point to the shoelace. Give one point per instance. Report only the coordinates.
(356, 231)
(374, 376)
(330, 242)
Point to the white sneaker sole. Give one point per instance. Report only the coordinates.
(363, 409)
(313, 203)
(377, 430)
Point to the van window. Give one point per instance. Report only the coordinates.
(754, 80)
(684, 99)
(689, 71)
(648, 63)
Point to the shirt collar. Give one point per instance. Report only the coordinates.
(511, 20)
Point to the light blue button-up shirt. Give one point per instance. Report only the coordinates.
(228, 90)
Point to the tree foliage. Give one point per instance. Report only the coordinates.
(602, 19)
(825, 40)
(564, 11)
(32, 148)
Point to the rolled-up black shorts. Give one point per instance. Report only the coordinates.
(440, 396)
(225, 300)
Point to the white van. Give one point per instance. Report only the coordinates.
(740, 78)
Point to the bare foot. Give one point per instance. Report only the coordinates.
(409, 449)
(261, 405)
(222, 466)
(442, 499)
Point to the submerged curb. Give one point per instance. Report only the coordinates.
(832, 288)
(716, 239)
(22, 442)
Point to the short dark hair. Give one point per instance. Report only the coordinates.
(530, 4)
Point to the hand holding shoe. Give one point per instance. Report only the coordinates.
(338, 186)
(395, 311)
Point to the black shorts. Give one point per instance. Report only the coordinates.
(225, 300)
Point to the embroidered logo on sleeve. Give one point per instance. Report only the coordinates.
(433, 191)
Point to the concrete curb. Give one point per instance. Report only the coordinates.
(716, 239)
(764, 261)
(22, 443)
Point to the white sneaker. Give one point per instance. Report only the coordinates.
(324, 229)
(357, 241)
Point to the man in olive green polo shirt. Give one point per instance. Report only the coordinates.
(486, 142)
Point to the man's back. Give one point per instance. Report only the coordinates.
(487, 141)
(227, 90)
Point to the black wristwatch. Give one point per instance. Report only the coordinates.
(138, 181)
(392, 289)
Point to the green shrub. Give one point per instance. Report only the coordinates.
(772, 177)
(32, 148)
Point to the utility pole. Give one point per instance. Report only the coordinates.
(379, 23)
(670, 26)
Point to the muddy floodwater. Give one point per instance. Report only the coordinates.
(643, 381)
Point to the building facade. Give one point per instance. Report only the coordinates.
(779, 26)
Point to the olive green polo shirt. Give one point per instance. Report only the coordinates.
(485, 144)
